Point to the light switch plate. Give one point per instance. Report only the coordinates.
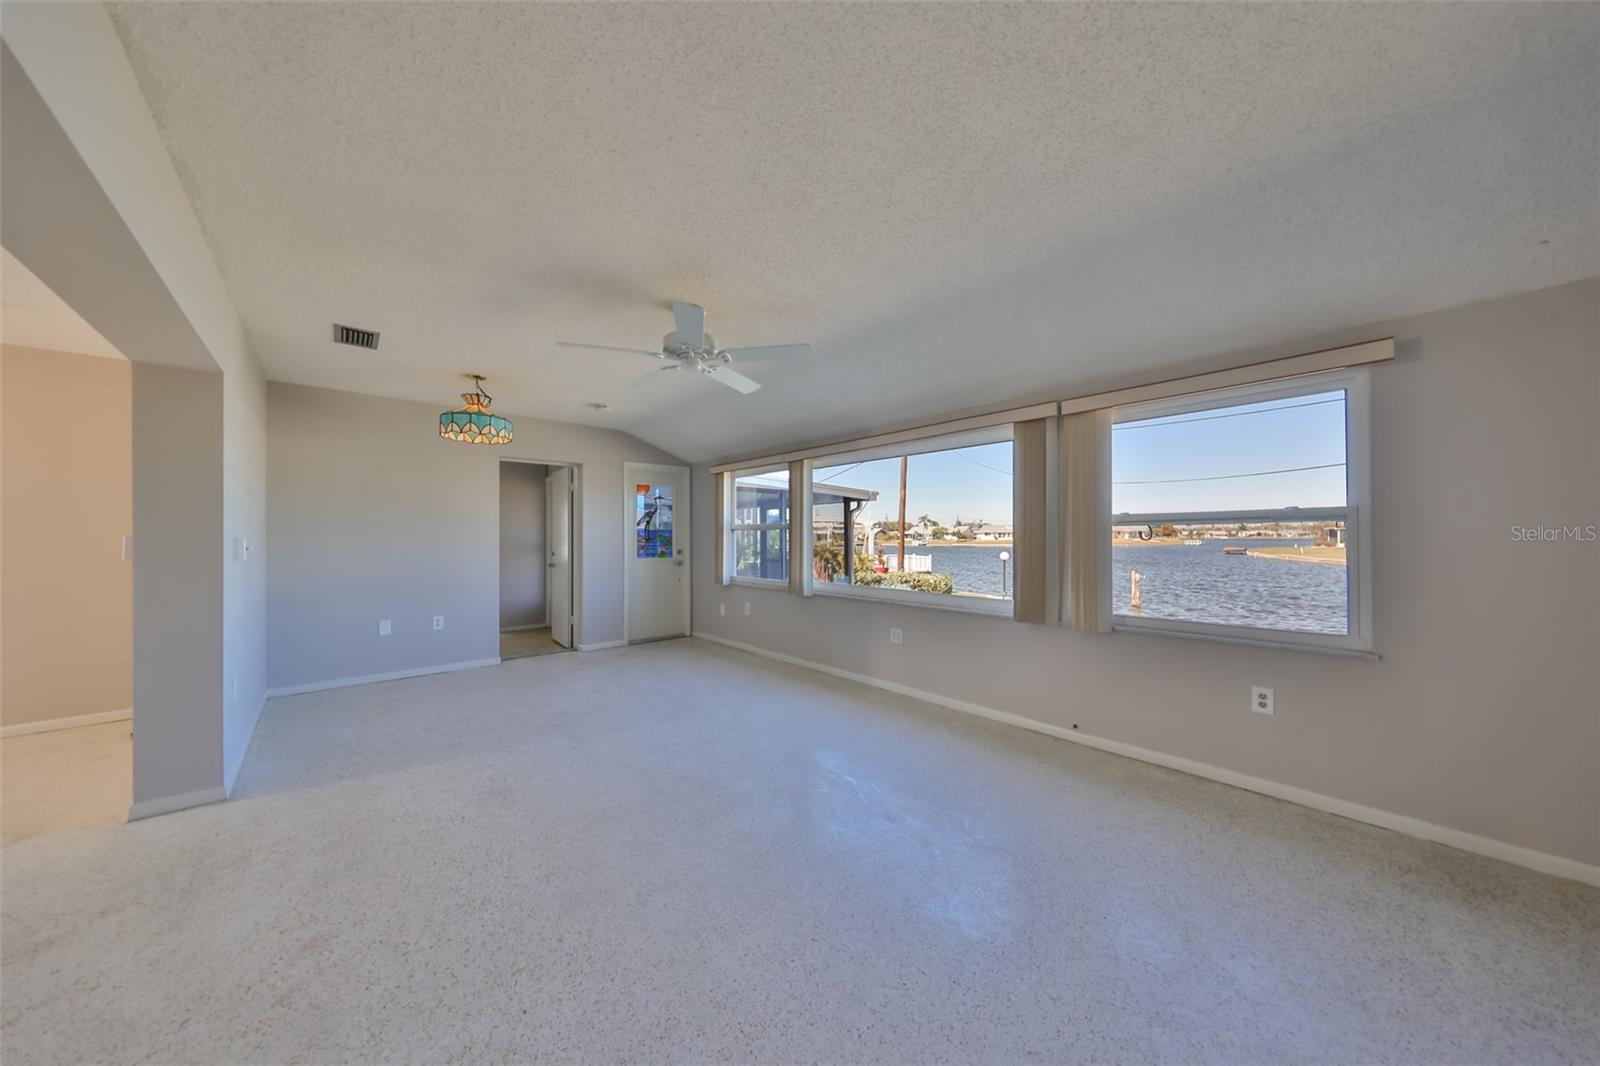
(897, 635)
(384, 628)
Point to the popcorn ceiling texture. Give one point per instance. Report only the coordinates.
(678, 852)
(961, 205)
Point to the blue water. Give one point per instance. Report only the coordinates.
(1192, 583)
(1202, 584)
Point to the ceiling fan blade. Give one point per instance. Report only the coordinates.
(606, 348)
(644, 380)
(770, 351)
(691, 323)
(733, 379)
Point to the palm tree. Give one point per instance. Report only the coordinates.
(827, 558)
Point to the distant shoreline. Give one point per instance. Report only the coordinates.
(1321, 555)
(894, 542)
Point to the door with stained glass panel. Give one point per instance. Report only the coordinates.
(656, 499)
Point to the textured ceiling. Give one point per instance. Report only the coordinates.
(32, 315)
(959, 205)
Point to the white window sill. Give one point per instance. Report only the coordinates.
(760, 582)
(1122, 624)
(933, 601)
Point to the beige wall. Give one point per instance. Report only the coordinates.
(522, 547)
(66, 502)
(1484, 713)
(372, 515)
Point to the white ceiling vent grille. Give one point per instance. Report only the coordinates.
(361, 338)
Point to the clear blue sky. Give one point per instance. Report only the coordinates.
(1191, 458)
(972, 483)
(1305, 431)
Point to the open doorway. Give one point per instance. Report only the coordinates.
(66, 580)
(536, 571)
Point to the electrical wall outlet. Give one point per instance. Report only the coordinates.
(384, 628)
(746, 606)
(438, 621)
(1261, 700)
(897, 635)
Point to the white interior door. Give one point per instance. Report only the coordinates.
(656, 499)
(558, 541)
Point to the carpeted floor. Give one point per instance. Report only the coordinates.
(678, 852)
(521, 643)
(66, 780)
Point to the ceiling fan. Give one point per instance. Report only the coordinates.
(690, 346)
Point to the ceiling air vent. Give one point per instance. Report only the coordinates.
(361, 338)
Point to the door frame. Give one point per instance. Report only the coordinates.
(577, 536)
(680, 528)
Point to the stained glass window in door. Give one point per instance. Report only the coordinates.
(652, 521)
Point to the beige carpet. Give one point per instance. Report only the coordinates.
(69, 780)
(677, 852)
(521, 643)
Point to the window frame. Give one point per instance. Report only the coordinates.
(1356, 513)
(996, 433)
(732, 527)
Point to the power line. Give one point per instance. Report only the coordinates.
(986, 466)
(1225, 477)
(1232, 414)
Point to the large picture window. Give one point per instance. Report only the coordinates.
(1239, 512)
(759, 526)
(929, 522)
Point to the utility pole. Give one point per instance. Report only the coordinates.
(900, 560)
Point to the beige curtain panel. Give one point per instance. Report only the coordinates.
(1030, 544)
(1086, 518)
(720, 483)
(799, 535)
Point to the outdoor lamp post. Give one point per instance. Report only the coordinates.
(1005, 557)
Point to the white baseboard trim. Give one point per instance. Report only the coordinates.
(182, 801)
(230, 774)
(50, 725)
(523, 629)
(368, 679)
(1543, 862)
(603, 645)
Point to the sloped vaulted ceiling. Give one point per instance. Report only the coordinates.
(959, 205)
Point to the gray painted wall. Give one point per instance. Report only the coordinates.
(177, 582)
(372, 515)
(66, 593)
(522, 550)
(1484, 713)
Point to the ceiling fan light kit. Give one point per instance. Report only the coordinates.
(690, 346)
(475, 423)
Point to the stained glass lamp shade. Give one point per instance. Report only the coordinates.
(474, 423)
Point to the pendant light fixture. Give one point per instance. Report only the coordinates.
(475, 423)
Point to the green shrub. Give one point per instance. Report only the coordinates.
(940, 583)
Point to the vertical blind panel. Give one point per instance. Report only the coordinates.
(1086, 517)
(1029, 544)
